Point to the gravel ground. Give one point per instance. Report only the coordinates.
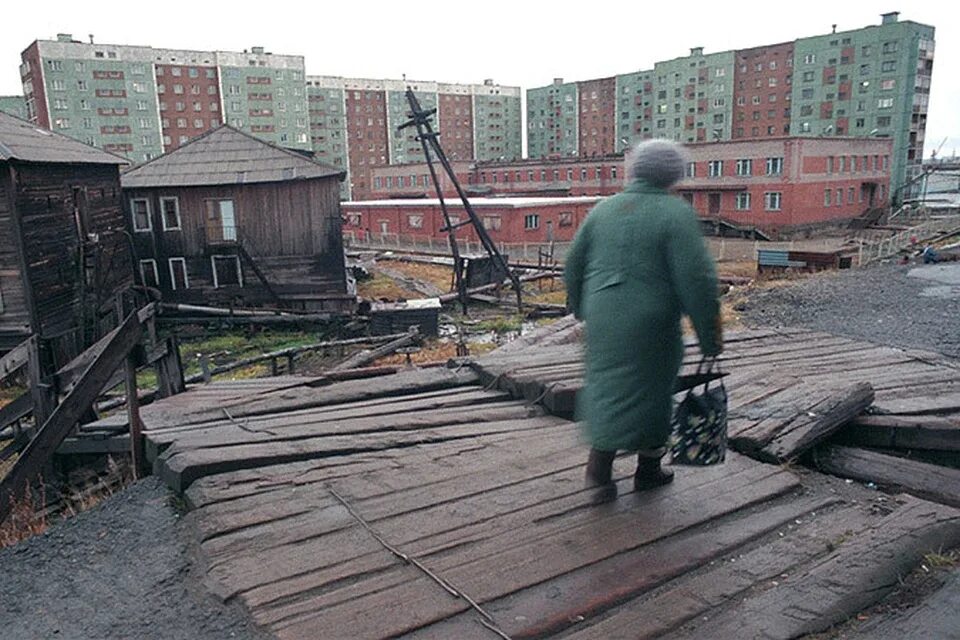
(120, 570)
(883, 304)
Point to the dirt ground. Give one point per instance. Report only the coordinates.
(124, 569)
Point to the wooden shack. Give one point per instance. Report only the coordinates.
(64, 249)
(229, 219)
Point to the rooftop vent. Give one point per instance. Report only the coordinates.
(256, 50)
(889, 18)
(558, 81)
(696, 51)
(64, 37)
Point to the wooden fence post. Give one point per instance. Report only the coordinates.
(133, 416)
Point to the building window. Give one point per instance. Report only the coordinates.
(178, 273)
(810, 58)
(745, 167)
(140, 210)
(885, 103)
(743, 201)
(774, 166)
(851, 195)
(226, 271)
(566, 219)
(148, 273)
(691, 169)
(715, 168)
(829, 164)
(771, 200)
(827, 195)
(170, 213)
(492, 223)
(415, 221)
(221, 225)
(531, 221)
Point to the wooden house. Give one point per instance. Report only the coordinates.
(229, 219)
(64, 247)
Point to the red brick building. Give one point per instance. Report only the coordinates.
(598, 118)
(189, 102)
(775, 185)
(507, 220)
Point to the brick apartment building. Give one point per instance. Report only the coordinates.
(776, 185)
(507, 220)
(142, 101)
(868, 82)
(354, 124)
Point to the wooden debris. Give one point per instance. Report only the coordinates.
(902, 432)
(930, 481)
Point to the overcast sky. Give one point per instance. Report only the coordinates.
(515, 42)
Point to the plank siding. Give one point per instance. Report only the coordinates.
(291, 229)
(14, 312)
(57, 206)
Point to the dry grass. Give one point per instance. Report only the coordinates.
(27, 518)
(383, 287)
(439, 276)
(739, 268)
(431, 351)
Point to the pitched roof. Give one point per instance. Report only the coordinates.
(225, 156)
(22, 140)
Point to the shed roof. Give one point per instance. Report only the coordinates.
(25, 141)
(225, 156)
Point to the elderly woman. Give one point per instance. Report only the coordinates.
(637, 264)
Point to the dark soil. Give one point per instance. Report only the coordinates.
(881, 304)
(123, 569)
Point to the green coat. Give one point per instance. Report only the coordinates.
(636, 265)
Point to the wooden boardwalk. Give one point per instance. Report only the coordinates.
(449, 503)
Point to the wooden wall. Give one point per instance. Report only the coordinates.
(47, 197)
(292, 230)
(15, 314)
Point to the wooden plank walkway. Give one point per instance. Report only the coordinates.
(447, 503)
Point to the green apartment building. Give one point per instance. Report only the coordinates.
(354, 123)
(142, 101)
(873, 81)
(14, 105)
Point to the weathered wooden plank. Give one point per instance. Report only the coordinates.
(937, 616)
(575, 600)
(840, 585)
(179, 468)
(516, 566)
(16, 358)
(930, 481)
(245, 433)
(902, 432)
(941, 404)
(65, 416)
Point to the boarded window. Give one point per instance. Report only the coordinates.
(566, 219)
(148, 273)
(178, 273)
(170, 209)
(492, 222)
(415, 221)
(226, 271)
(140, 210)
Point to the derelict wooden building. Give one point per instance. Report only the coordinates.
(231, 219)
(64, 248)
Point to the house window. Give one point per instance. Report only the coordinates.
(743, 201)
(148, 273)
(744, 167)
(715, 168)
(415, 221)
(492, 223)
(178, 273)
(774, 166)
(140, 210)
(531, 221)
(691, 169)
(771, 200)
(221, 223)
(170, 212)
(226, 271)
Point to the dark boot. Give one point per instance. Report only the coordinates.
(649, 474)
(600, 476)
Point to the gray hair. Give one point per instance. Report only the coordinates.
(659, 162)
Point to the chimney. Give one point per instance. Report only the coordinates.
(834, 28)
(889, 18)
(696, 51)
(91, 38)
(558, 81)
(64, 37)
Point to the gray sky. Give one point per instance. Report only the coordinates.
(516, 42)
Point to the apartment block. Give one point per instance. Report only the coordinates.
(14, 105)
(868, 82)
(354, 123)
(143, 101)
